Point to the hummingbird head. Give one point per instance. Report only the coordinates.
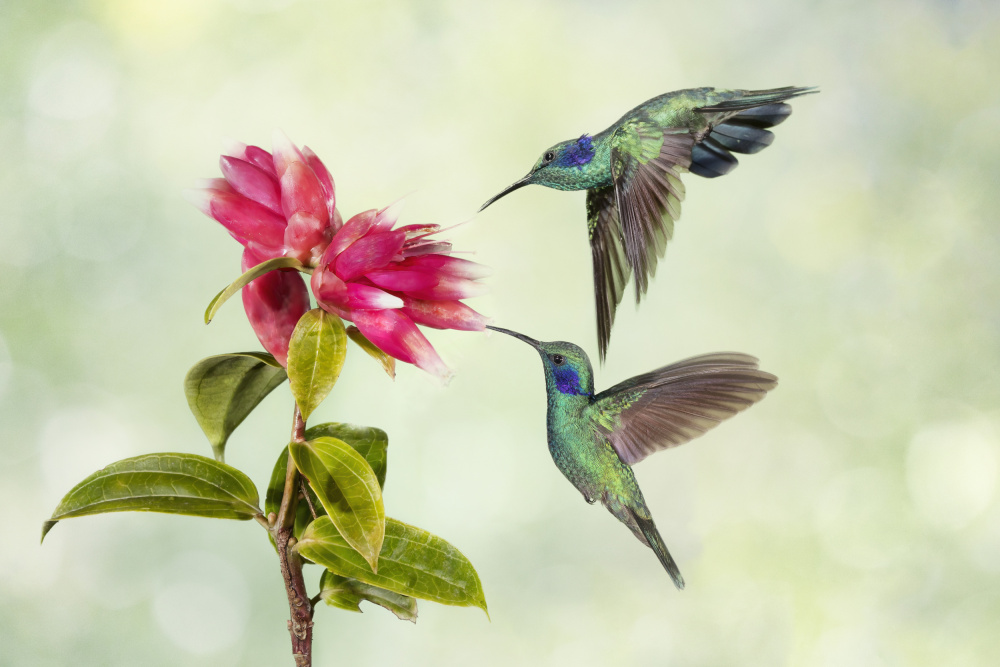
(559, 167)
(567, 367)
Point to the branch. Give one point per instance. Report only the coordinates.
(299, 605)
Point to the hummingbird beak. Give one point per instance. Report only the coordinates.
(527, 339)
(519, 184)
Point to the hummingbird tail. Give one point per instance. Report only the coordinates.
(744, 131)
(652, 535)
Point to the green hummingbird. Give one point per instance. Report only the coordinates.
(631, 172)
(594, 439)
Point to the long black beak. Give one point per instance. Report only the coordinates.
(527, 339)
(519, 184)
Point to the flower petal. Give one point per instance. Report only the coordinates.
(367, 297)
(260, 158)
(306, 238)
(450, 287)
(250, 223)
(252, 182)
(368, 253)
(454, 266)
(274, 302)
(387, 217)
(396, 334)
(396, 280)
(285, 152)
(444, 315)
(323, 174)
(301, 192)
(352, 230)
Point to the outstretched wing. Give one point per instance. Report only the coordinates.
(611, 269)
(677, 403)
(646, 164)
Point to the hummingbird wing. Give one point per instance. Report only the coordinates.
(646, 164)
(611, 268)
(677, 403)
(648, 158)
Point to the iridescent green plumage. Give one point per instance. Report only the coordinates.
(632, 170)
(595, 438)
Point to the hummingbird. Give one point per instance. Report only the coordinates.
(595, 439)
(632, 174)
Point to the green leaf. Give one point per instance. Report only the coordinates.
(387, 362)
(171, 483)
(315, 356)
(246, 279)
(346, 593)
(224, 389)
(412, 562)
(348, 489)
(372, 443)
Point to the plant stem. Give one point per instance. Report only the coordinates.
(299, 605)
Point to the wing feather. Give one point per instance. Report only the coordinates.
(611, 270)
(677, 403)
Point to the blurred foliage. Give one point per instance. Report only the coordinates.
(852, 518)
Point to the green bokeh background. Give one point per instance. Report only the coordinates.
(852, 518)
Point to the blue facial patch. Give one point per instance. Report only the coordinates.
(578, 154)
(567, 381)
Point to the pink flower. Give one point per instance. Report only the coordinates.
(387, 281)
(280, 205)
(276, 205)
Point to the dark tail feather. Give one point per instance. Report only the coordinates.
(652, 535)
(757, 98)
(743, 132)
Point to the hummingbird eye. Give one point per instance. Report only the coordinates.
(550, 156)
(558, 359)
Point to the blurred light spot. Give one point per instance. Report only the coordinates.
(866, 388)
(76, 442)
(261, 6)
(202, 605)
(951, 470)
(107, 215)
(6, 366)
(859, 516)
(152, 26)
(856, 647)
(76, 79)
(820, 219)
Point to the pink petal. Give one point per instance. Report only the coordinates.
(387, 217)
(454, 266)
(274, 302)
(366, 297)
(306, 238)
(328, 288)
(351, 231)
(285, 152)
(301, 192)
(323, 174)
(396, 334)
(250, 223)
(209, 184)
(402, 281)
(252, 182)
(260, 158)
(368, 253)
(444, 315)
(450, 287)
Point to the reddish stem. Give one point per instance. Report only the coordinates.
(299, 605)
